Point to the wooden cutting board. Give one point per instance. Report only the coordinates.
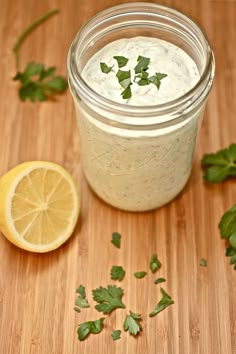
(37, 292)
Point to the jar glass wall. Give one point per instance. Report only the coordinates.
(138, 158)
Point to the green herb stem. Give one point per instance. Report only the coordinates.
(26, 32)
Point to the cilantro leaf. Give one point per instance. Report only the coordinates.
(159, 280)
(117, 273)
(227, 224)
(105, 68)
(132, 324)
(121, 61)
(220, 165)
(143, 76)
(38, 83)
(124, 78)
(127, 92)
(90, 327)
(116, 334)
(162, 304)
(155, 264)
(140, 275)
(108, 298)
(142, 65)
(81, 291)
(81, 300)
(203, 262)
(116, 237)
(156, 79)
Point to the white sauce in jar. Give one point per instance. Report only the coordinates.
(138, 170)
(164, 58)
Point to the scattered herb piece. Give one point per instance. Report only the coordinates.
(143, 76)
(121, 61)
(220, 165)
(116, 334)
(90, 327)
(140, 275)
(124, 78)
(117, 273)
(159, 280)
(108, 298)
(116, 237)
(155, 264)
(203, 262)
(156, 79)
(132, 324)
(231, 252)
(81, 300)
(162, 304)
(127, 92)
(142, 65)
(37, 82)
(105, 68)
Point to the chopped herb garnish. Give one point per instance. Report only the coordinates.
(203, 262)
(90, 327)
(81, 300)
(155, 264)
(162, 304)
(105, 68)
(124, 78)
(127, 92)
(156, 79)
(116, 237)
(132, 324)
(140, 275)
(108, 298)
(117, 273)
(220, 165)
(143, 76)
(116, 334)
(121, 61)
(159, 280)
(142, 65)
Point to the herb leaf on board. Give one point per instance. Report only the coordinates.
(117, 273)
(90, 327)
(132, 324)
(155, 264)
(108, 298)
(162, 304)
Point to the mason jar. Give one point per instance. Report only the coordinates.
(138, 158)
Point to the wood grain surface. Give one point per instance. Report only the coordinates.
(37, 292)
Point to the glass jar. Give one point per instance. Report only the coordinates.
(138, 158)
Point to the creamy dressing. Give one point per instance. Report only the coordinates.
(164, 58)
(138, 170)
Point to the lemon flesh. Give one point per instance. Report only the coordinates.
(39, 205)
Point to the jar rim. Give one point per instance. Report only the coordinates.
(199, 92)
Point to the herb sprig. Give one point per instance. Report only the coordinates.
(37, 82)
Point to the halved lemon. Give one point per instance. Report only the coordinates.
(39, 205)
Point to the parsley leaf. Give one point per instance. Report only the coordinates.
(116, 237)
(121, 61)
(81, 300)
(117, 273)
(105, 68)
(124, 78)
(155, 264)
(116, 334)
(38, 83)
(140, 275)
(227, 225)
(132, 324)
(142, 65)
(108, 298)
(90, 327)
(220, 165)
(162, 304)
(159, 280)
(144, 80)
(156, 79)
(127, 92)
(203, 262)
